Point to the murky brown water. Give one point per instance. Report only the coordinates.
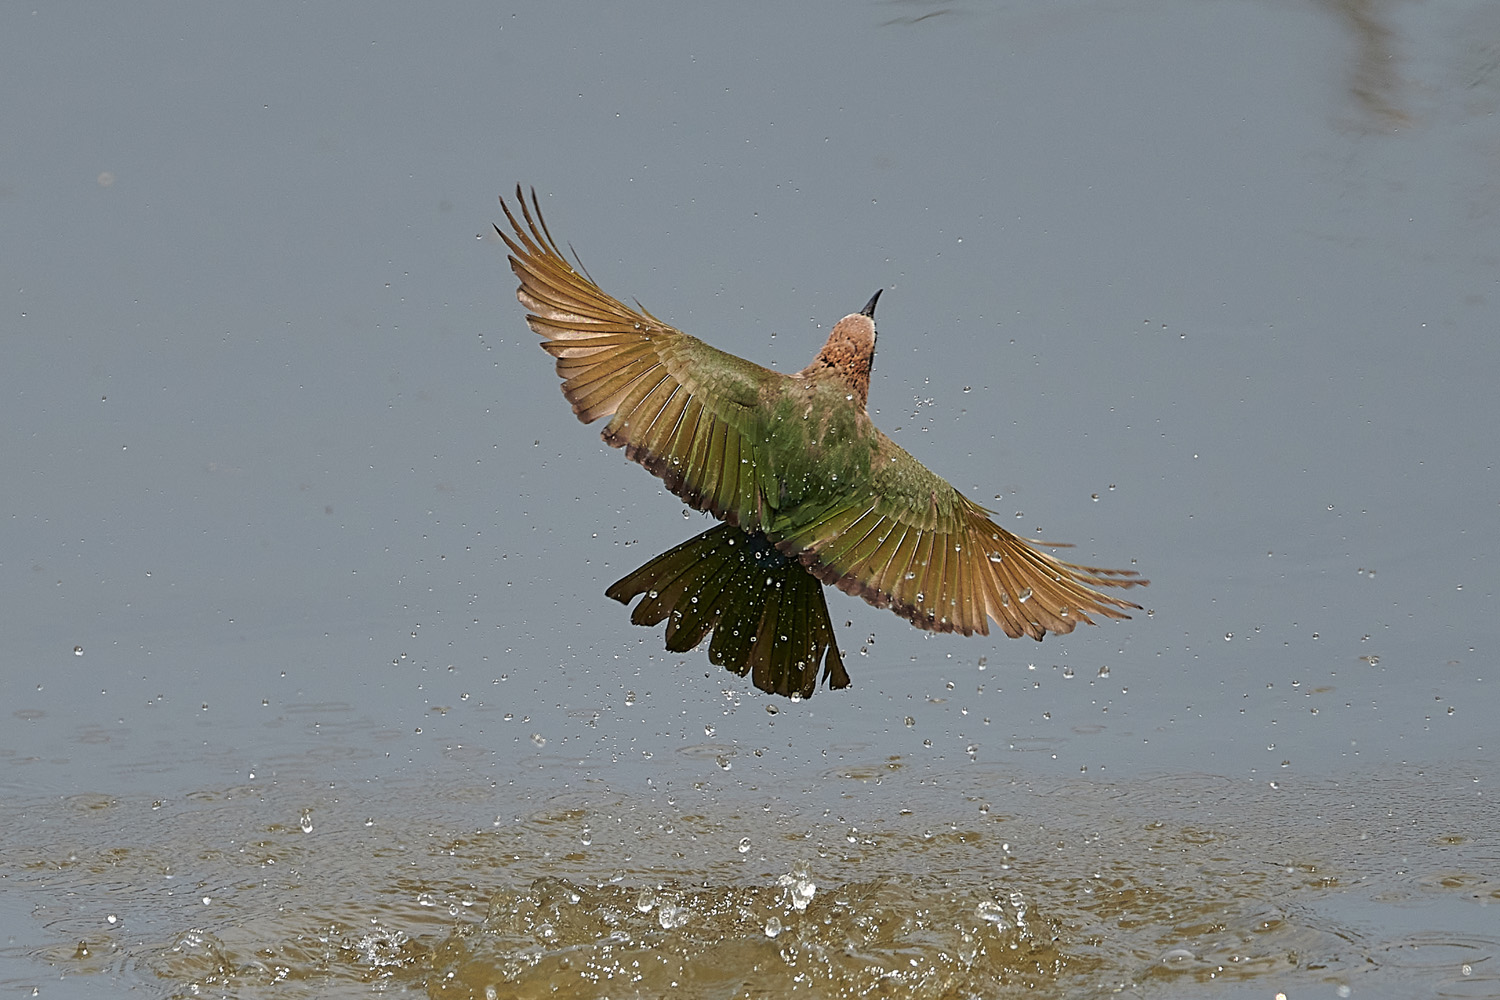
(1070, 889)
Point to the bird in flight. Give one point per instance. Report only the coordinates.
(809, 490)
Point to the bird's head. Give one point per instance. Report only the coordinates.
(849, 352)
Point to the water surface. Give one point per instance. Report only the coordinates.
(310, 684)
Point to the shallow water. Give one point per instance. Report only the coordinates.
(880, 881)
(310, 686)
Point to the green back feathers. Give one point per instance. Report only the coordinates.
(795, 457)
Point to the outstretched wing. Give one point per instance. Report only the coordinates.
(679, 407)
(691, 415)
(914, 544)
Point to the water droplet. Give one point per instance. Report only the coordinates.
(672, 916)
(799, 888)
(744, 845)
(539, 739)
(773, 926)
(629, 698)
(992, 912)
(1024, 596)
(305, 821)
(910, 722)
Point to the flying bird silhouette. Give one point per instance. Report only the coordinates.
(810, 491)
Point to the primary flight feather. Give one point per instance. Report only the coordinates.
(804, 479)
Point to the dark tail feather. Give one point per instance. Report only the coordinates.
(766, 612)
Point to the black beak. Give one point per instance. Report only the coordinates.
(869, 309)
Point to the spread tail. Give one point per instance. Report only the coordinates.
(766, 612)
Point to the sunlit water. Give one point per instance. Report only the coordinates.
(884, 883)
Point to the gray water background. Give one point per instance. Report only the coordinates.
(292, 513)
